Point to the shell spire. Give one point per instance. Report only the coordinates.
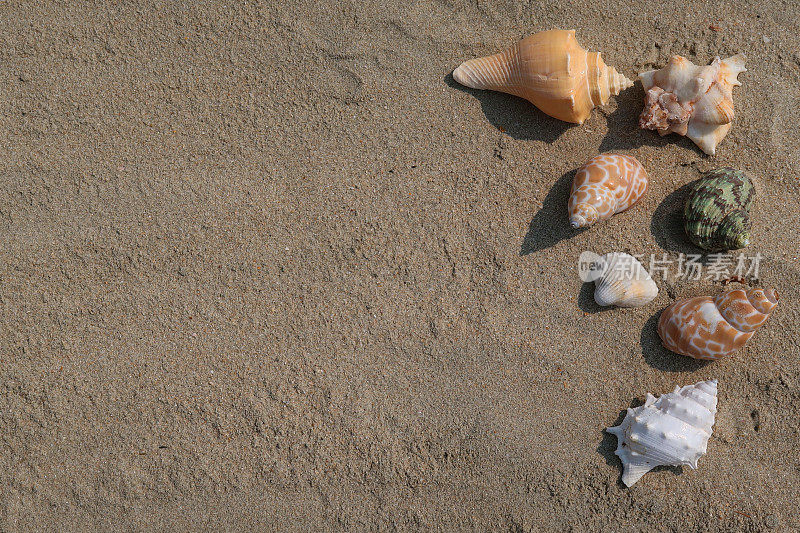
(605, 185)
(670, 430)
(711, 328)
(552, 71)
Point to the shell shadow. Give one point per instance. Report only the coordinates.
(513, 115)
(550, 224)
(667, 224)
(624, 132)
(586, 301)
(659, 357)
(608, 447)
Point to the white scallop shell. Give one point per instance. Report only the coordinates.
(624, 282)
(671, 430)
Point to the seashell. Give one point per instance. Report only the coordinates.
(717, 213)
(710, 328)
(672, 429)
(692, 100)
(623, 282)
(552, 71)
(607, 184)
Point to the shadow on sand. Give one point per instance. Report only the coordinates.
(550, 224)
(513, 115)
(667, 223)
(522, 120)
(586, 301)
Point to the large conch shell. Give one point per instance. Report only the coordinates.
(710, 328)
(717, 212)
(692, 100)
(671, 430)
(605, 185)
(623, 282)
(552, 71)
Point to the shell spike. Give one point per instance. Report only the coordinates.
(733, 66)
(631, 473)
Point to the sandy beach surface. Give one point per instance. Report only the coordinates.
(267, 266)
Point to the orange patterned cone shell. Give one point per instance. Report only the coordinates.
(710, 328)
(607, 184)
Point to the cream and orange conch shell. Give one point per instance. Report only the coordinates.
(552, 71)
(710, 328)
(607, 184)
(692, 100)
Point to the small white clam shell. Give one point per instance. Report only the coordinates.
(624, 282)
(671, 430)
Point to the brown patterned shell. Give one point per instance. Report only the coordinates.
(605, 185)
(710, 328)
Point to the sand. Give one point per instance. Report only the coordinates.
(267, 266)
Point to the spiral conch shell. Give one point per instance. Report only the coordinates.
(552, 71)
(711, 328)
(692, 100)
(717, 212)
(605, 185)
(670, 430)
(623, 282)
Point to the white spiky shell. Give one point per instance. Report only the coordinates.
(692, 100)
(623, 282)
(670, 430)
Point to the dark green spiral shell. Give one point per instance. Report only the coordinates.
(717, 213)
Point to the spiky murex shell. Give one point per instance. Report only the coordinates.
(692, 100)
(670, 430)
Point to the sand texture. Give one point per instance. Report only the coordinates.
(266, 266)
